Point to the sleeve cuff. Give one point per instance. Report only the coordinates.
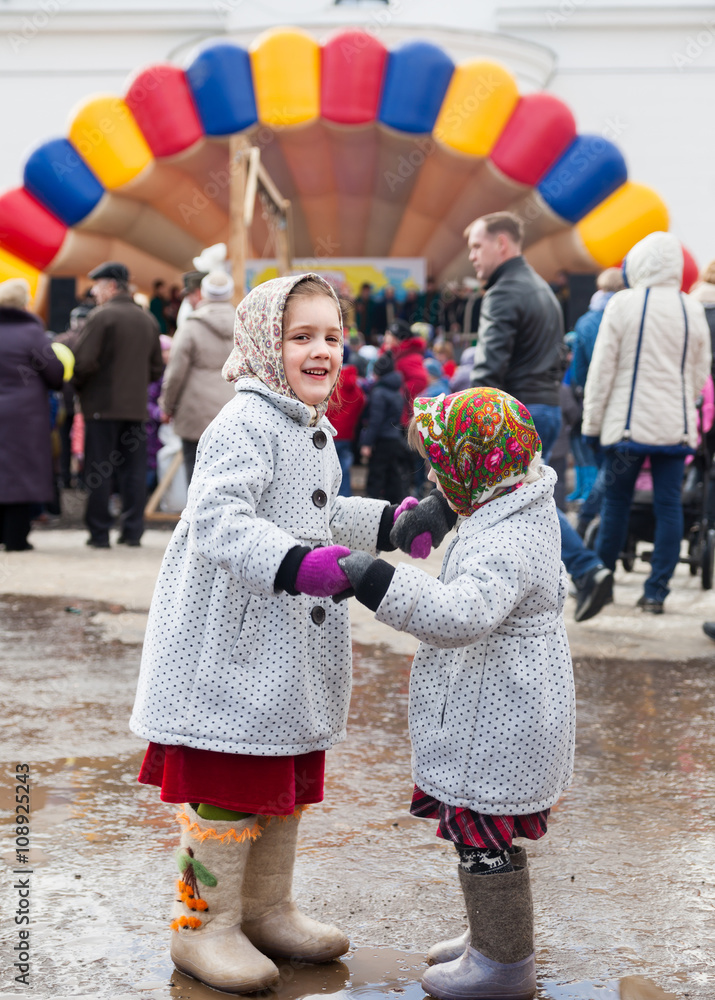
(375, 583)
(288, 569)
(383, 532)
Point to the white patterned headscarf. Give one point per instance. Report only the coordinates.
(258, 335)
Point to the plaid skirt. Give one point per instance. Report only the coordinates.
(464, 826)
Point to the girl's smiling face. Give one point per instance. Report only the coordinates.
(312, 347)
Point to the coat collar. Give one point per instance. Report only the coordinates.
(513, 264)
(504, 506)
(292, 408)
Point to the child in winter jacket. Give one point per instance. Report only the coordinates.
(382, 441)
(344, 413)
(491, 693)
(246, 668)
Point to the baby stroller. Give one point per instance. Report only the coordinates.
(697, 530)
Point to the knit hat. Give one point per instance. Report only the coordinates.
(15, 293)
(384, 365)
(258, 335)
(480, 443)
(433, 367)
(400, 329)
(217, 286)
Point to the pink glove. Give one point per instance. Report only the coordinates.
(421, 545)
(319, 574)
(407, 504)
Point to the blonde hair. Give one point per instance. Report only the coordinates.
(310, 286)
(14, 293)
(610, 280)
(708, 273)
(414, 438)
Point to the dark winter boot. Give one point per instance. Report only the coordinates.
(499, 960)
(447, 951)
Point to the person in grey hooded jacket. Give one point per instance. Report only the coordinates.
(193, 391)
(650, 363)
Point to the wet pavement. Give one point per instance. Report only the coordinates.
(622, 882)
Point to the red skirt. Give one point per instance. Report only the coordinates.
(464, 826)
(270, 786)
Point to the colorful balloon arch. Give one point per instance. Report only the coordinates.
(382, 153)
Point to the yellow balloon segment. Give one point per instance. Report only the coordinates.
(66, 356)
(286, 77)
(14, 267)
(621, 221)
(479, 101)
(105, 133)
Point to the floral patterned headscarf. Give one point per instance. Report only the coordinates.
(258, 335)
(480, 443)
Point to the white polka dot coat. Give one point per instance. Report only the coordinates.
(228, 664)
(491, 704)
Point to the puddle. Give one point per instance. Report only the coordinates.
(622, 883)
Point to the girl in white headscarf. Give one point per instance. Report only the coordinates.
(246, 668)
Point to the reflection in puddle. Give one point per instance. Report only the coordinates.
(622, 886)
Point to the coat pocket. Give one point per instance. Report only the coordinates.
(245, 643)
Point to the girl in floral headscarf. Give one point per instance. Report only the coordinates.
(491, 692)
(246, 668)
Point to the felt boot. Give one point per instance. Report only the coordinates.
(207, 942)
(447, 951)
(499, 960)
(271, 920)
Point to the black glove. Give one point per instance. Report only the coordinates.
(431, 517)
(370, 578)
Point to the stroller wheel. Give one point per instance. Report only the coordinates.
(708, 560)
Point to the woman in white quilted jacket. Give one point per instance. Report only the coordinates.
(650, 363)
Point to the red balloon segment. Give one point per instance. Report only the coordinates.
(690, 271)
(535, 136)
(161, 102)
(353, 65)
(28, 230)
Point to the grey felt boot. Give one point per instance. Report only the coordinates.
(447, 951)
(499, 960)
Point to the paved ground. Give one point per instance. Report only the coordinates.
(61, 564)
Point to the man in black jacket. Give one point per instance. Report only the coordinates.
(520, 349)
(117, 355)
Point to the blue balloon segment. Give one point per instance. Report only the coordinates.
(589, 170)
(416, 80)
(57, 176)
(222, 86)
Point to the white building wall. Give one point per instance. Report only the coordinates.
(641, 73)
